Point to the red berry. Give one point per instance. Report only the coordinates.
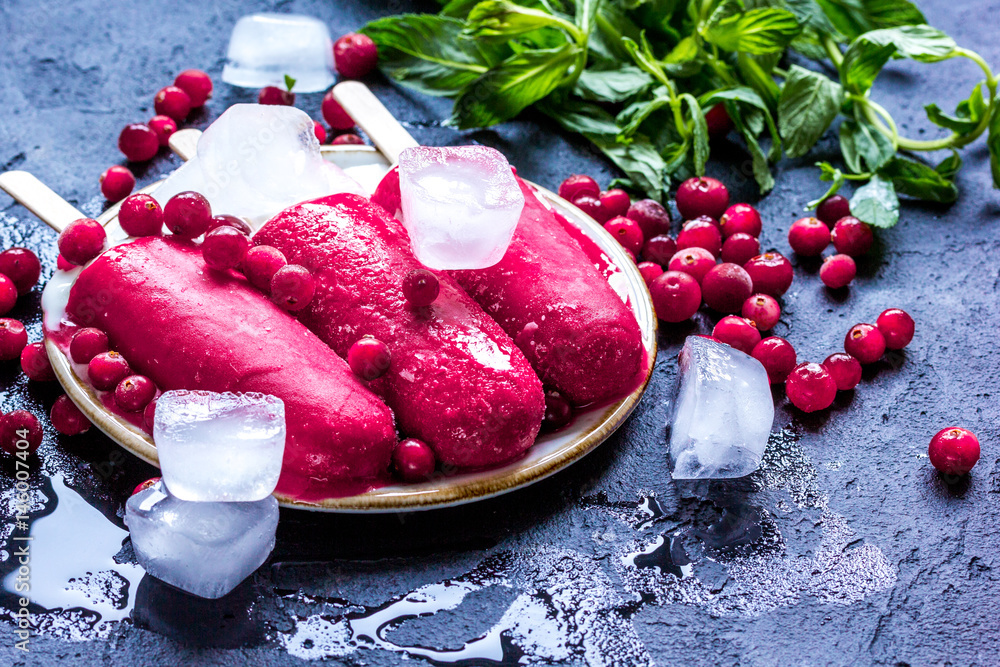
(777, 356)
(173, 102)
(676, 296)
(355, 55)
(725, 287)
(737, 332)
(348, 139)
(616, 202)
(8, 294)
(558, 411)
(20, 431)
(226, 220)
(35, 363)
(740, 219)
(63, 265)
(838, 271)
(369, 358)
(196, 84)
(260, 265)
(763, 310)
(579, 185)
(954, 451)
(630, 254)
(413, 460)
(163, 127)
(845, 370)
(740, 248)
(694, 261)
(187, 214)
(149, 415)
(592, 207)
(718, 120)
(808, 237)
(82, 241)
(224, 247)
(659, 249)
(650, 271)
(700, 234)
(653, 219)
(865, 343)
(626, 232)
(87, 344)
(106, 370)
(897, 327)
(292, 287)
(274, 96)
(702, 196)
(771, 273)
(116, 183)
(138, 142)
(141, 215)
(134, 393)
(66, 418)
(21, 266)
(852, 237)
(334, 114)
(833, 209)
(320, 132)
(810, 387)
(421, 287)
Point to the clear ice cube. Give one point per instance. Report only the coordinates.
(460, 205)
(205, 549)
(723, 413)
(265, 47)
(219, 447)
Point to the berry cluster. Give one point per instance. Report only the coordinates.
(851, 238)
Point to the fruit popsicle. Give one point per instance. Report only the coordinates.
(455, 380)
(189, 327)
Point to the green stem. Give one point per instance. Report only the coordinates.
(783, 73)
(830, 44)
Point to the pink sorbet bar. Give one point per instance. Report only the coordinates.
(188, 327)
(456, 380)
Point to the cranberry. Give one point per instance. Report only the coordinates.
(740, 248)
(810, 387)
(141, 215)
(413, 460)
(107, 369)
(22, 267)
(631, 255)
(579, 185)
(763, 310)
(149, 415)
(838, 271)
(226, 220)
(718, 120)
(702, 196)
(142, 486)
(260, 265)
(616, 202)
(650, 271)
(20, 431)
(700, 234)
(274, 96)
(320, 132)
(355, 55)
(592, 207)
(771, 273)
(8, 294)
(334, 114)
(13, 339)
(87, 344)
(808, 237)
(865, 343)
(173, 102)
(224, 247)
(659, 249)
(116, 183)
(897, 327)
(676, 296)
(163, 127)
(292, 287)
(187, 214)
(852, 237)
(740, 219)
(82, 241)
(738, 332)
(725, 287)
(845, 370)
(694, 261)
(138, 142)
(421, 287)
(954, 451)
(196, 84)
(558, 411)
(626, 232)
(833, 209)
(653, 219)
(777, 356)
(35, 363)
(67, 418)
(134, 393)
(348, 139)
(369, 358)
(63, 265)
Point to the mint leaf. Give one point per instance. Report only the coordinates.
(759, 79)
(502, 20)
(876, 203)
(810, 15)
(949, 166)
(808, 103)
(700, 133)
(854, 17)
(916, 179)
(762, 30)
(919, 42)
(862, 63)
(748, 97)
(993, 144)
(289, 83)
(585, 15)
(968, 114)
(864, 147)
(636, 113)
(758, 160)
(616, 85)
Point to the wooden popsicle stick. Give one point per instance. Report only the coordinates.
(40, 199)
(371, 116)
(184, 143)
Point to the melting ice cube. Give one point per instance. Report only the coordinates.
(206, 549)
(265, 47)
(723, 414)
(219, 447)
(460, 205)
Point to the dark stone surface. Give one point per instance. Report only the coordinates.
(846, 549)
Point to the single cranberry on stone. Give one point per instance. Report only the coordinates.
(763, 310)
(20, 431)
(173, 102)
(626, 232)
(87, 344)
(8, 294)
(650, 271)
(740, 248)
(116, 183)
(845, 369)
(348, 139)
(653, 218)
(737, 332)
(693, 261)
(838, 271)
(702, 196)
(134, 393)
(421, 287)
(142, 486)
(659, 249)
(320, 132)
(592, 207)
(334, 114)
(810, 387)
(13, 339)
(808, 237)
(196, 84)
(163, 127)
(138, 142)
(579, 185)
(700, 234)
(187, 214)
(369, 358)
(771, 273)
(355, 55)
(852, 237)
(414, 460)
(224, 247)
(718, 121)
(141, 215)
(261, 263)
(741, 219)
(274, 96)
(954, 451)
(725, 287)
(292, 287)
(22, 267)
(558, 411)
(676, 296)
(616, 202)
(66, 417)
(777, 356)
(833, 209)
(865, 343)
(35, 363)
(226, 220)
(897, 327)
(107, 369)
(149, 415)
(82, 241)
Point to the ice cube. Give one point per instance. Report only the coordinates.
(206, 549)
(723, 413)
(265, 47)
(256, 160)
(460, 205)
(219, 447)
